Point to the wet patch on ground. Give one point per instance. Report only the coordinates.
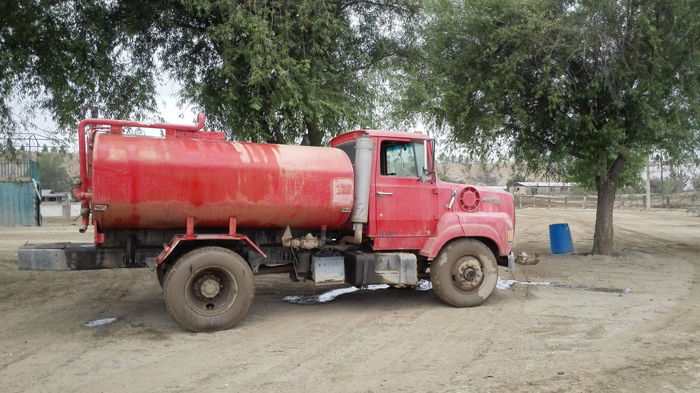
(506, 284)
(328, 296)
(425, 285)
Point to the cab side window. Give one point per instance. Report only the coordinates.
(399, 159)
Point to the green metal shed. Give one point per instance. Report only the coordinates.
(19, 193)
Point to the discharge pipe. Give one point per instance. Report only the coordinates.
(363, 173)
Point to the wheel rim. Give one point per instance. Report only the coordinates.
(467, 274)
(211, 291)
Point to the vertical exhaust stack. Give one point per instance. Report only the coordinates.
(363, 174)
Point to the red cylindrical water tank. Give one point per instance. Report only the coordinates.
(147, 182)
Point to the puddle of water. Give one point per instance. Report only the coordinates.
(505, 284)
(328, 296)
(99, 322)
(594, 289)
(425, 285)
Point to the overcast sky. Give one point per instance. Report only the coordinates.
(44, 127)
(168, 107)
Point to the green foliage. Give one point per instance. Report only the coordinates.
(52, 169)
(7, 150)
(286, 70)
(68, 56)
(274, 70)
(583, 90)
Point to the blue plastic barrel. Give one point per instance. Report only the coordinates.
(560, 239)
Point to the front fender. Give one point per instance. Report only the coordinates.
(448, 228)
(492, 226)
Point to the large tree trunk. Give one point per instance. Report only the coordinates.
(603, 238)
(314, 136)
(606, 186)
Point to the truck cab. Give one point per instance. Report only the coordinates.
(412, 209)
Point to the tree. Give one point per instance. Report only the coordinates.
(582, 89)
(674, 182)
(276, 70)
(52, 171)
(677, 181)
(696, 183)
(68, 56)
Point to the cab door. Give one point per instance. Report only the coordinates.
(405, 197)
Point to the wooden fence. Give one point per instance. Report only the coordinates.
(685, 200)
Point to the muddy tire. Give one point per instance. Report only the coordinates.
(465, 273)
(210, 288)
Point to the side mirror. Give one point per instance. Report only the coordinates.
(428, 172)
(426, 175)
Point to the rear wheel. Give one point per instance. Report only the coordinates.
(210, 288)
(465, 273)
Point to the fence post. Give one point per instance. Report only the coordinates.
(566, 202)
(584, 202)
(549, 203)
(520, 201)
(534, 201)
(65, 207)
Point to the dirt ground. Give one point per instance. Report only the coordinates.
(523, 339)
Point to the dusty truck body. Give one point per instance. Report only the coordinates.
(207, 214)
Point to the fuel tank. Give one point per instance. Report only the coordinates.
(149, 182)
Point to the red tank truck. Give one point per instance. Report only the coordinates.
(207, 214)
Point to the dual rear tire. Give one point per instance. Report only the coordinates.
(209, 288)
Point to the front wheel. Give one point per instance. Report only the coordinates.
(465, 273)
(210, 288)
